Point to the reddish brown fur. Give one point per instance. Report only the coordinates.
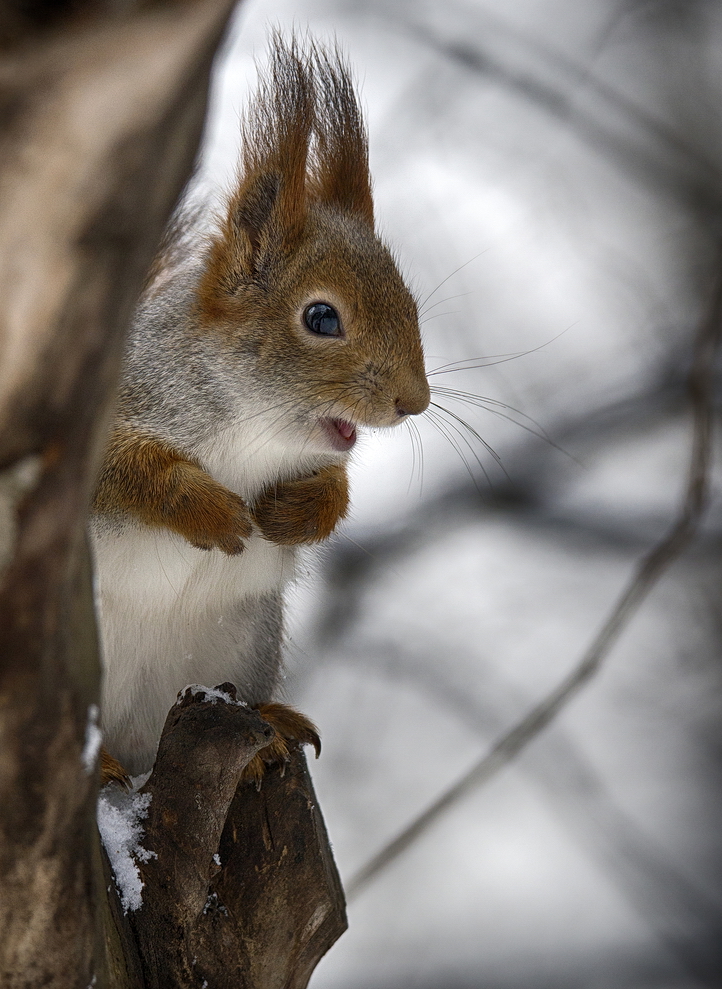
(291, 727)
(303, 511)
(298, 229)
(340, 174)
(304, 144)
(159, 487)
(300, 220)
(151, 480)
(111, 771)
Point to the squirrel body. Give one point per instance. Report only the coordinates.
(256, 352)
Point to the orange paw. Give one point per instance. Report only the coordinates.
(216, 519)
(305, 510)
(156, 483)
(291, 727)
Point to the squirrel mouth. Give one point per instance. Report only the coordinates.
(342, 434)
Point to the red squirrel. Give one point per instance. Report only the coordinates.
(257, 351)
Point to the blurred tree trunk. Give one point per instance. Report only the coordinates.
(101, 109)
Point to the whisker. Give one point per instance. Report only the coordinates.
(475, 363)
(413, 461)
(449, 298)
(445, 429)
(462, 422)
(472, 363)
(452, 312)
(418, 464)
(454, 272)
(482, 402)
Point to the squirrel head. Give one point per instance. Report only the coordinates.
(296, 285)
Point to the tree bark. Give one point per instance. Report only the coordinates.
(101, 110)
(240, 889)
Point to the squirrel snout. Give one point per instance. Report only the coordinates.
(413, 403)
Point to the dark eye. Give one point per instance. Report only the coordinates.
(322, 319)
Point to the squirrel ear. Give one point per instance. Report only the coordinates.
(252, 208)
(251, 236)
(266, 216)
(340, 172)
(263, 220)
(345, 183)
(267, 210)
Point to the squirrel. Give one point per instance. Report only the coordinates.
(258, 350)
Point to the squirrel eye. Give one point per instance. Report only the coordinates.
(322, 319)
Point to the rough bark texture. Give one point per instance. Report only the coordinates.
(263, 917)
(101, 110)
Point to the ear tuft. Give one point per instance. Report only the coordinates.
(340, 175)
(304, 142)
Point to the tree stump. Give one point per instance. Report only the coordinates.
(239, 886)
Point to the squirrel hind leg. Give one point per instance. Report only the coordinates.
(111, 771)
(292, 728)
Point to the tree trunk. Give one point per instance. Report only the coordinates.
(102, 107)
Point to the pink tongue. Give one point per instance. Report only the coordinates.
(346, 429)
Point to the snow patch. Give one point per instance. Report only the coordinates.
(119, 816)
(93, 739)
(139, 781)
(214, 905)
(212, 694)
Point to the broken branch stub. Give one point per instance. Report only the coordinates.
(278, 882)
(241, 890)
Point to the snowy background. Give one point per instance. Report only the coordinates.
(548, 171)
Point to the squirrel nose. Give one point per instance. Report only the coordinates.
(413, 394)
(411, 406)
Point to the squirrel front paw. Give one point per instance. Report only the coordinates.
(111, 771)
(212, 517)
(306, 510)
(154, 482)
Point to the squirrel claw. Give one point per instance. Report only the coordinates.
(291, 728)
(230, 545)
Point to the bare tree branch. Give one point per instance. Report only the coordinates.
(652, 151)
(649, 571)
(679, 912)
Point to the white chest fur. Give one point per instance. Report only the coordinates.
(170, 615)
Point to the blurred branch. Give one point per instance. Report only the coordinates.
(643, 144)
(649, 571)
(679, 912)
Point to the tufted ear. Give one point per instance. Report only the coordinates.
(340, 174)
(241, 251)
(304, 142)
(266, 212)
(251, 210)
